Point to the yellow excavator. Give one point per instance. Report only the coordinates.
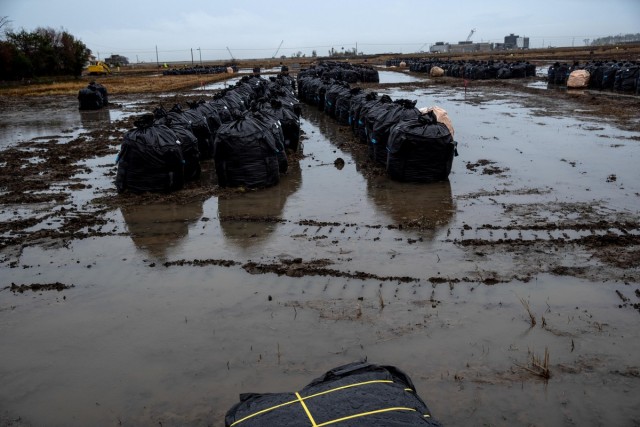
(98, 68)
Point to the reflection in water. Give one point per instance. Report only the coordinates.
(157, 228)
(424, 206)
(95, 119)
(251, 217)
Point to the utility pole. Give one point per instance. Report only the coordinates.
(157, 60)
(200, 52)
(192, 57)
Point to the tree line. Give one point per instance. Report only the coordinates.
(626, 38)
(40, 53)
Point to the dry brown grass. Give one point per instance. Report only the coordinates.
(117, 84)
(540, 367)
(532, 317)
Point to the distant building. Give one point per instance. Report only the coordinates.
(515, 42)
(440, 47)
(469, 47)
(117, 60)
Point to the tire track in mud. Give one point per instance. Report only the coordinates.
(298, 267)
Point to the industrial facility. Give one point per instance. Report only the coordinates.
(511, 41)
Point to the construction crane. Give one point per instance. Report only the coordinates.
(473, 30)
(278, 49)
(232, 58)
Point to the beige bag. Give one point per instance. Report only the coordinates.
(436, 72)
(578, 79)
(441, 115)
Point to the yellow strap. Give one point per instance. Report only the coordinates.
(363, 414)
(309, 397)
(263, 411)
(301, 400)
(347, 386)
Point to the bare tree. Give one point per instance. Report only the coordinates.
(4, 22)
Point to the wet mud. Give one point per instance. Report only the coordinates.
(510, 293)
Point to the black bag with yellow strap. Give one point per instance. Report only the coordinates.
(357, 394)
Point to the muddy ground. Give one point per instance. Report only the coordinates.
(161, 309)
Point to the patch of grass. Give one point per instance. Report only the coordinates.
(117, 84)
(532, 317)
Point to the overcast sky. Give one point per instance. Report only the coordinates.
(255, 29)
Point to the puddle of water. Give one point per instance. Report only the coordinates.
(57, 118)
(220, 85)
(539, 85)
(387, 77)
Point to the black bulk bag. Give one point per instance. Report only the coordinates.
(343, 106)
(597, 74)
(102, 90)
(561, 74)
(334, 92)
(150, 159)
(551, 74)
(609, 76)
(400, 110)
(504, 73)
(288, 120)
(286, 81)
(287, 98)
(234, 98)
(350, 76)
(518, 70)
(271, 123)
(89, 99)
(353, 395)
(420, 150)
(371, 113)
(368, 75)
(200, 129)
(245, 154)
(628, 78)
(188, 141)
(189, 150)
(355, 107)
(359, 113)
(210, 114)
(312, 86)
(222, 109)
(321, 90)
(93, 97)
(303, 87)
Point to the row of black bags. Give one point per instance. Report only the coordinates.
(603, 75)
(246, 129)
(414, 145)
(198, 69)
(471, 69)
(342, 71)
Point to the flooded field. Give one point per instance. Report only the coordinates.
(161, 310)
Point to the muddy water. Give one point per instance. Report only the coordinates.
(55, 117)
(157, 330)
